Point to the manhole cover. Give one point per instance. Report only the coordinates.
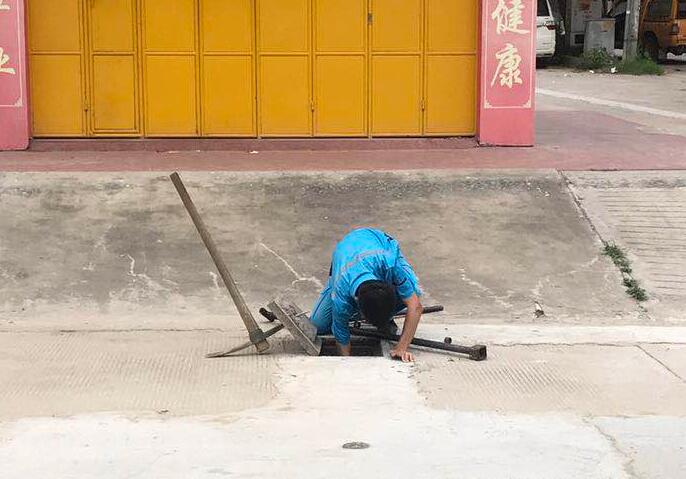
(355, 445)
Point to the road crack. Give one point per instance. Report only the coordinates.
(628, 460)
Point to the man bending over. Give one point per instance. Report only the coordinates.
(369, 278)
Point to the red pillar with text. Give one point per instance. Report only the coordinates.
(507, 73)
(14, 112)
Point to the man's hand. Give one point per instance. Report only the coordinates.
(345, 349)
(414, 313)
(404, 355)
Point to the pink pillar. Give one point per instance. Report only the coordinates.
(14, 111)
(507, 73)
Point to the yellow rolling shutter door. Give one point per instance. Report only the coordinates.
(450, 67)
(227, 69)
(253, 67)
(340, 67)
(283, 33)
(170, 63)
(57, 68)
(396, 67)
(113, 62)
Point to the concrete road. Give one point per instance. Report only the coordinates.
(108, 303)
(656, 103)
(613, 122)
(118, 251)
(114, 405)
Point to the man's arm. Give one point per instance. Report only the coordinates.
(414, 314)
(339, 327)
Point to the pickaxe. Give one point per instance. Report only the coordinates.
(257, 337)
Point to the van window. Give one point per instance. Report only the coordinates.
(681, 13)
(660, 9)
(543, 8)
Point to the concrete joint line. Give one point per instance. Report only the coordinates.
(618, 344)
(110, 330)
(494, 334)
(661, 363)
(577, 202)
(628, 461)
(612, 103)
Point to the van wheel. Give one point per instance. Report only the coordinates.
(651, 48)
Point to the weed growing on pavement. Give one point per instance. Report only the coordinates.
(599, 60)
(634, 290)
(640, 65)
(618, 257)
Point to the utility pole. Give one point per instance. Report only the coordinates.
(633, 16)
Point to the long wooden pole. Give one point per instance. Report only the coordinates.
(257, 336)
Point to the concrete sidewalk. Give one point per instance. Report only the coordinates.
(645, 215)
(580, 139)
(122, 404)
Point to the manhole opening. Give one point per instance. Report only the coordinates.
(360, 347)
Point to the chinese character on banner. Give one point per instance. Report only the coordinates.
(508, 66)
(4, 59)
(510, 35)
(509, 19)
(3, 6)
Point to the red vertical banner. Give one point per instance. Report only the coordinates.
(13, 96)
(508, 67)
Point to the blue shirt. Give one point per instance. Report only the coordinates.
(365, 255)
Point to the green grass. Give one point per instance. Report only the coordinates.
(596, 59)
(599, 60)
(634, 290)
(640, 65)
(618, 257)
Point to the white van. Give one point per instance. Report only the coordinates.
(546, 26)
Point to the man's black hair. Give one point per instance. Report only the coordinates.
(377, 303)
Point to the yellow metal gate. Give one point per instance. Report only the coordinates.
(173, 68)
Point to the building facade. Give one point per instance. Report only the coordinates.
(266, 68)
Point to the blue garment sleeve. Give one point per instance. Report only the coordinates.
(342, 312)
(404, 279)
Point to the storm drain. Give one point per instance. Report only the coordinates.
(360, 347)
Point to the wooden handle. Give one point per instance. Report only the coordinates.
(256, 335)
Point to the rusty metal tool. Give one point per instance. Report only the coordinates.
(270, 332)
(298, 324)
(246, 345)
(357, 323)
(257, 337)
(477, 352)
(426, 310)
(271, 317)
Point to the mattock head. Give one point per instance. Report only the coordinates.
(258, 338)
